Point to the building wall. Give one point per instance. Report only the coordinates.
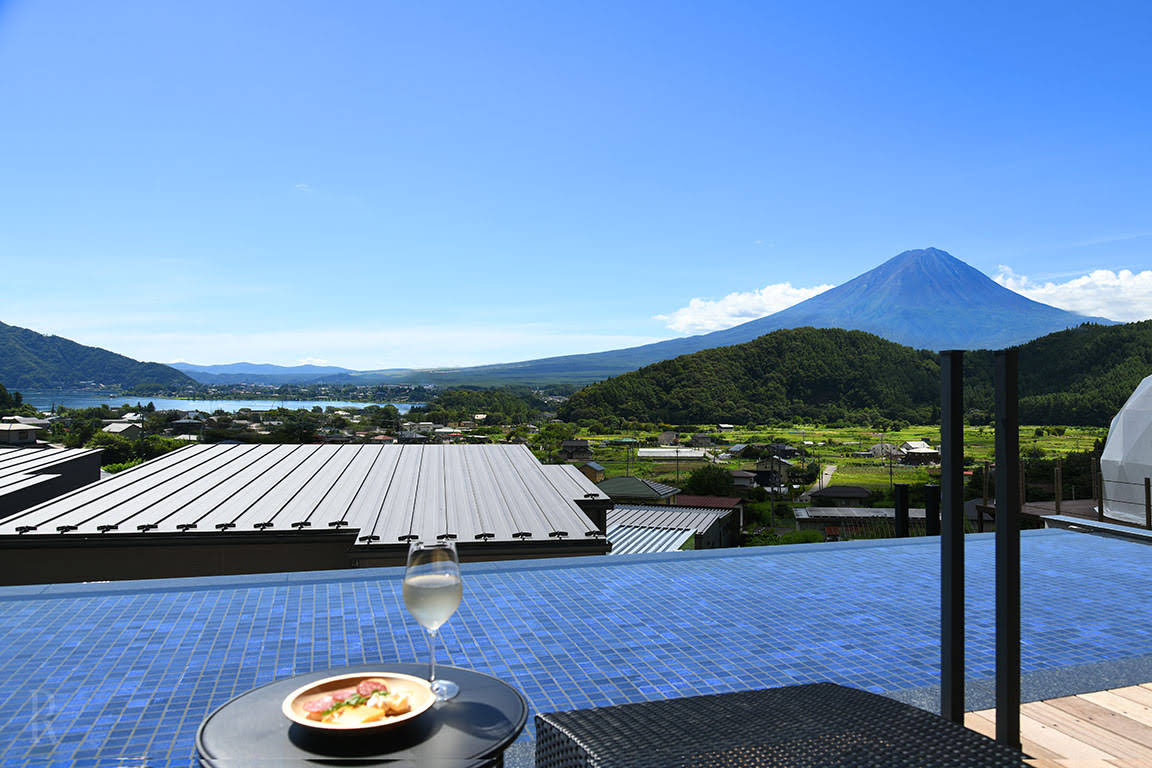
(69, 475)
(115, 557)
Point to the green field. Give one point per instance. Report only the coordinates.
(828, 445)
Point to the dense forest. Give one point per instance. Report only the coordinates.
(1078, 377)
(30, 360)
(503, 405)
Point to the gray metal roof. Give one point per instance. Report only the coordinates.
(21, 467)
(389, 493)
(696, 519)
(823, 513)
(626, 486)
(636, 540)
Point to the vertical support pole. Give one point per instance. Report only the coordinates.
(1148, 503)
(1059, 484)
(1099, 491)
(1007, 551)
(1023, 477)
(932, 510)
(952, 536)
(979, 511)
(901, 493)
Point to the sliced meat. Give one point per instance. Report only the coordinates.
(316, 707)
(342, 694)
(370, 686)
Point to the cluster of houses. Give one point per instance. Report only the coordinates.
(912, 452)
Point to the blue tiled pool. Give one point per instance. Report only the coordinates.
(100, 673)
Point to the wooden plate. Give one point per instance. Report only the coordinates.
(418, 690)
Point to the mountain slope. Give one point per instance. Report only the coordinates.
(30, 360)
(925, 299)
(1079, 376)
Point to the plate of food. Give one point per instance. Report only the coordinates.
(360, 701)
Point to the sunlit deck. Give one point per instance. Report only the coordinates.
(1103, 728)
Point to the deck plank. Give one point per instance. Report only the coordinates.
(1087, 732)
(1120, 705)
(1140, 694)
(1051, 743)
(1106, 718)
(985, 722)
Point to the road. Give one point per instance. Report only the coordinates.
(824, 481)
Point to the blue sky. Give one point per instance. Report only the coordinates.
(377, 184)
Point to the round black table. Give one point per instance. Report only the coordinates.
(472, 729)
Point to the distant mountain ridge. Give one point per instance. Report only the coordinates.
(31, 360)
(258, 373)
(925, 299)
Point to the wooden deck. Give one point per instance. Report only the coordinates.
(1105, 728)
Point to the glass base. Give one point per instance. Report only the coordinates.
(444, 689)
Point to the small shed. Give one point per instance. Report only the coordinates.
(593, 471)
(743, 479)
(667, 438)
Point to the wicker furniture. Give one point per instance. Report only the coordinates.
(801, 726)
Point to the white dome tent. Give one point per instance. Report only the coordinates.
(1127, 457)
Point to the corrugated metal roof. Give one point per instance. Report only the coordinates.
(389, 493)
(823, 513)
(696, 519)
(671, 453)
(627, 487)
(636, 540)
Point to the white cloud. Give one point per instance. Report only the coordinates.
(703, 315)
(303, 187)
(1123, 295)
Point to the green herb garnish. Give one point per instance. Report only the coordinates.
(354, 700)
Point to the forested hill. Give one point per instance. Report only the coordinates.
(1079, 376)
(801, 374)
(30, 360)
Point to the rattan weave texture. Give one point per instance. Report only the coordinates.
(804, 726)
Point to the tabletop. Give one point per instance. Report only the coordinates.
(472, 729)
(802, 726)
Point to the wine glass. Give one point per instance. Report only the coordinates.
(432, 592)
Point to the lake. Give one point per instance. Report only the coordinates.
(45, 399)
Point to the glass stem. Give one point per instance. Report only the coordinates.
(431, 656)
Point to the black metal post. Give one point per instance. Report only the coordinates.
(952, 536)
(900, 491)
(932, 510)
(1148, 503)
(1007, 551)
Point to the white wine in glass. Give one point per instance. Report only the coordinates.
(432, 591)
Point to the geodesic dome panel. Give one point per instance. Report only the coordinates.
(1127, 457)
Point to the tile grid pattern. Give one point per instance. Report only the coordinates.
(103, 675)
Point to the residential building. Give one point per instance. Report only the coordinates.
(18, 434)
(131, 430)
(575, 450)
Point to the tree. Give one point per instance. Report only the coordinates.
(709, 480)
